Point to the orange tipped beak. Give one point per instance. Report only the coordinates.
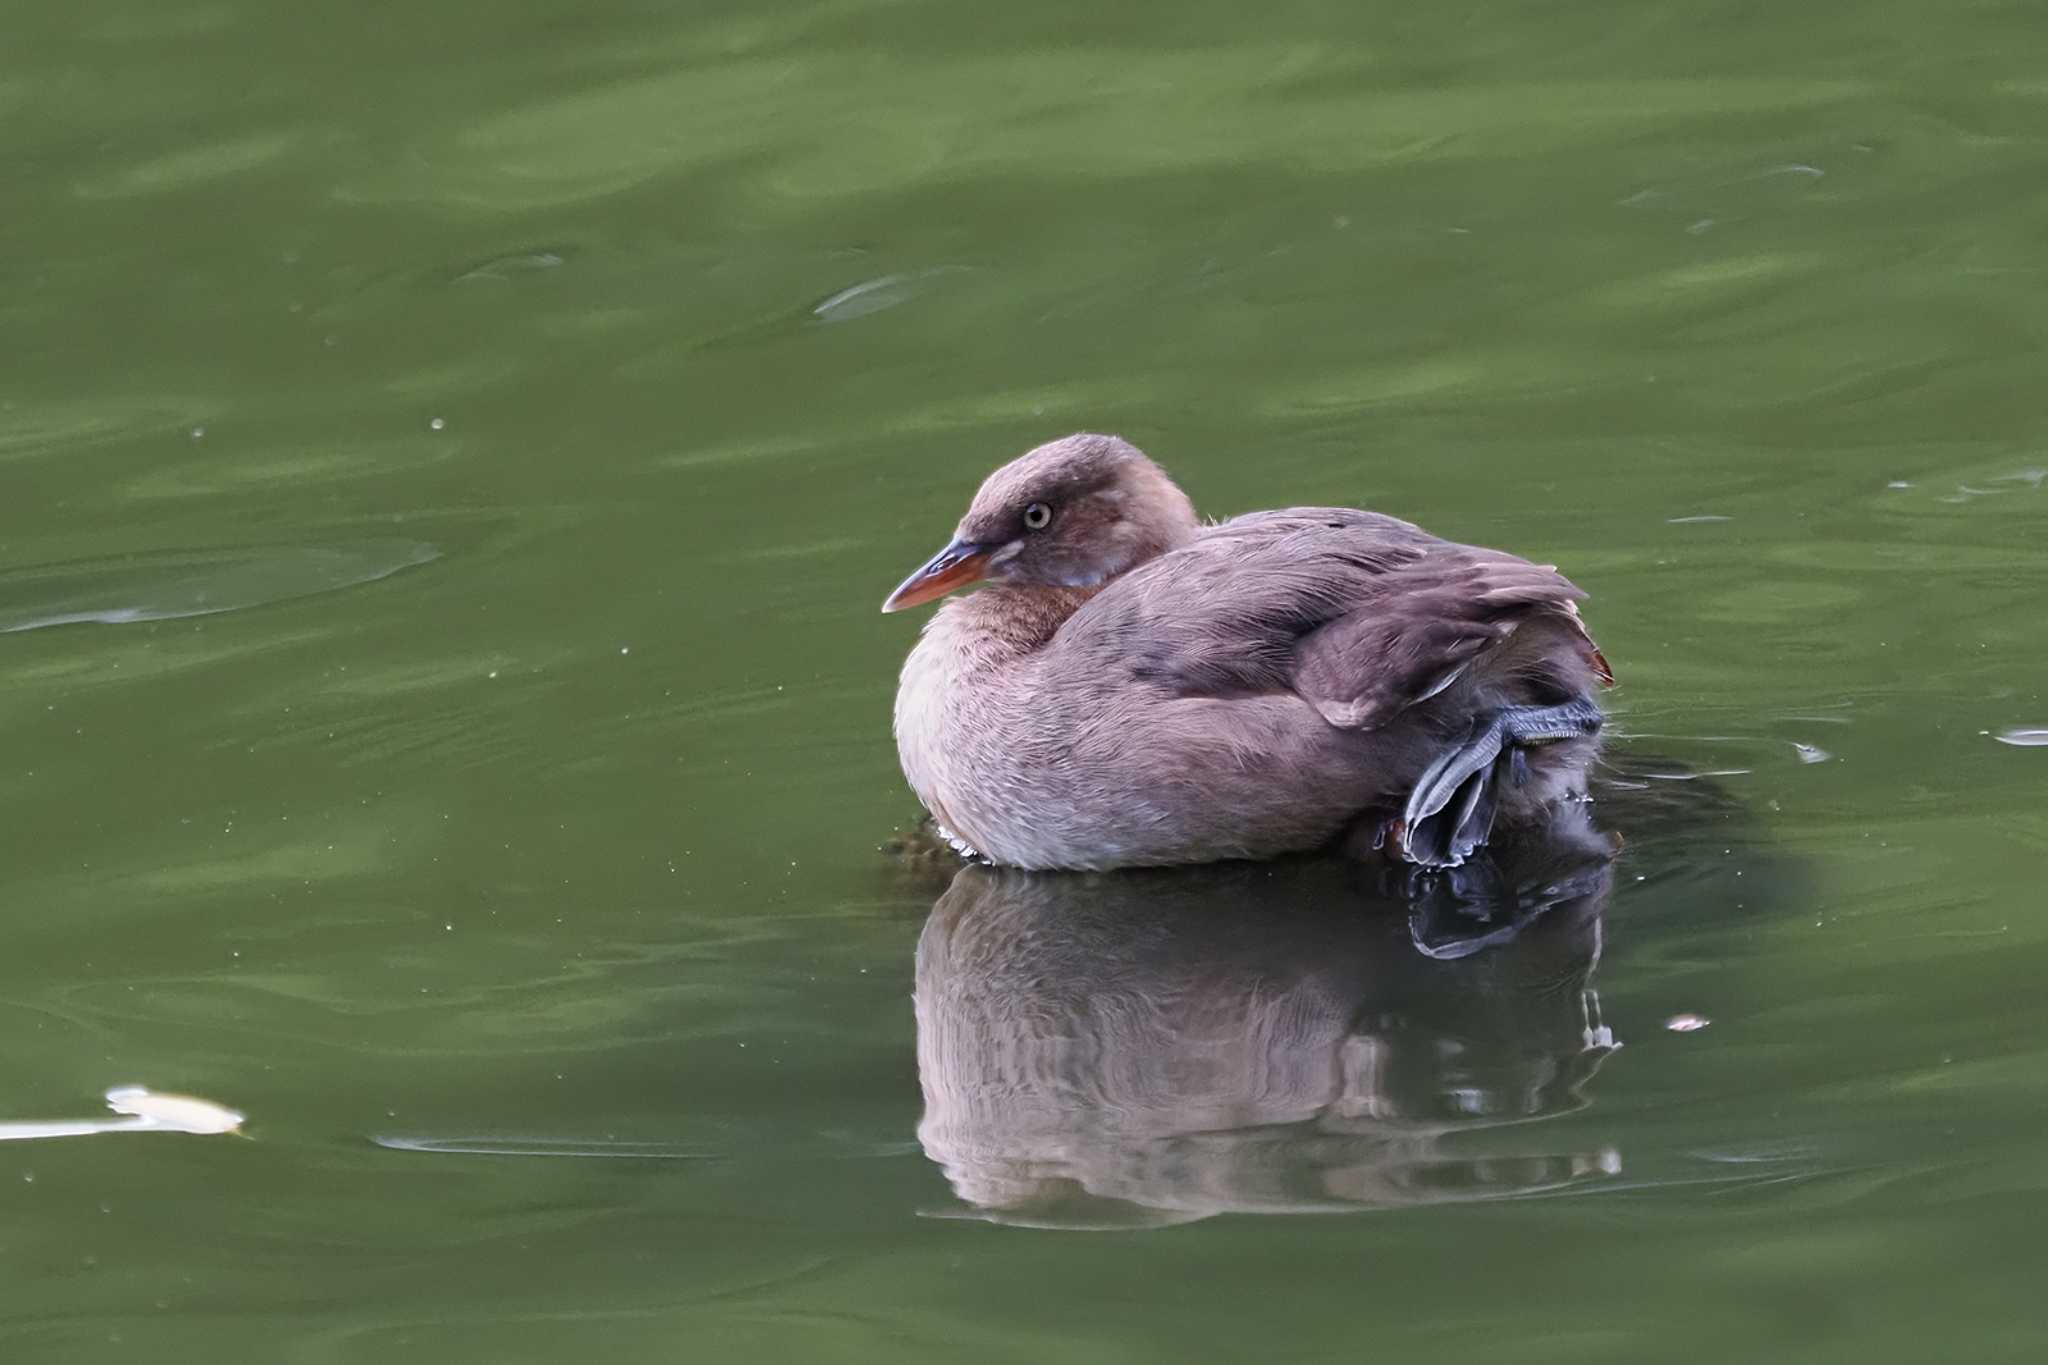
(956, 566)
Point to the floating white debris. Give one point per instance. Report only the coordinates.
(1700, 520)
(49, 1128)
(1687, 1023)
(142, 1111)
(2025, 739)
(178, 1113)
(1810, 753)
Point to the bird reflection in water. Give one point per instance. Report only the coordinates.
(1145, 1048)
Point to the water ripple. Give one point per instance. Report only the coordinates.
(123, 589)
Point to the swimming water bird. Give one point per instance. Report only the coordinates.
(1133, 687)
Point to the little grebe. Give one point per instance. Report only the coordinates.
(1134, 687)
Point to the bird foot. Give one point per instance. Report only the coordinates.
(1450, 813)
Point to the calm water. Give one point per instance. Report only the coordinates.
(450, 457)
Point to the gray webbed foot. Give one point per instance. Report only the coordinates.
(1451, 811)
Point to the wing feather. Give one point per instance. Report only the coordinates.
(1360, 614)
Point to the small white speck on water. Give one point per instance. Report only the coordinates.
(1687, 1023)
(199, 433)
(1810, 753)
(625, 649)
(1898, 483)
(493, 673)
(1700, 228)
(437, 424)
(448, 928)
(28, 1177)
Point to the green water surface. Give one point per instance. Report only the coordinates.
(451, 455)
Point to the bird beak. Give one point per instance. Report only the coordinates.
(956, 566)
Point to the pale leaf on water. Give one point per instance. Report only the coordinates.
(178, 1113)
(142, 1110)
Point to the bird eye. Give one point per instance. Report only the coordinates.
(1037, 516)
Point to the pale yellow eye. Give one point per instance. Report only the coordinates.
(1037, 517)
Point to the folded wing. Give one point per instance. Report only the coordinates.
(1360, 614)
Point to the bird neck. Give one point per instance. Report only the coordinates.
(1000, 623)
(1171, 521)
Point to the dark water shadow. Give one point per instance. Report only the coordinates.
(1157, 1047)
(1316, 1035)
